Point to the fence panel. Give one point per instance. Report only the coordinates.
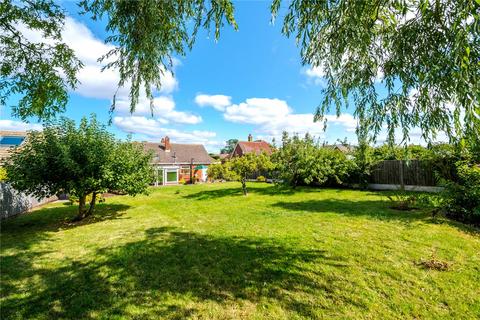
(415, 173)
(13, 202)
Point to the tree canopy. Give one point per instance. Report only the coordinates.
(145, 34)
(79, 160)
(425, 53)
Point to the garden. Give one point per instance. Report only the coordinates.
(208, 252)
(314, 242)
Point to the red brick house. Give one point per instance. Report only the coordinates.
(173, 162)
(244, 147)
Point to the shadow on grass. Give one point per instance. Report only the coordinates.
(373, 209)
(34, 225)
(161, 275)
(271, 190)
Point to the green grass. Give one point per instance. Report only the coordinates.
(207, 252)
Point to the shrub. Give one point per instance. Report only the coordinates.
(461, 198)
(402, 200)
(304, 162)
(261, 179)
(216, 171)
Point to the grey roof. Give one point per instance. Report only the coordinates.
(179, 153)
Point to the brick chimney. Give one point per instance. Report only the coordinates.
(250, 138)
(166, 144)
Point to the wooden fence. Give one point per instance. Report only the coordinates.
(398, 172)
(13, 203)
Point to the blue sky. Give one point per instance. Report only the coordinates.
(250, 81)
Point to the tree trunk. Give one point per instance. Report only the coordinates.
(81, 208)
(92, 204)
(244, 186)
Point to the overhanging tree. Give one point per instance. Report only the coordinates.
(79, 160)
(425, 53)
(146, 34)
(40, 73)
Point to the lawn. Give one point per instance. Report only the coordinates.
(207, 252)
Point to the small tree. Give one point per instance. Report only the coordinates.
(241, 167)
(77, 160)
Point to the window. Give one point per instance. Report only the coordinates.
(160, 176)
(172, 176)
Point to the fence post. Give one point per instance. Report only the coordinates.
(402, 181)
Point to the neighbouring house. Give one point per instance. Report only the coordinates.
(345, 148)
(223, 156)
(178, 162)
(250, 146)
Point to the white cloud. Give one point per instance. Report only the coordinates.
(163, 109)
(217, 101)
(273, 116)
(257, 111)
(11, 125)
(153, 129)
(315, 72)
(415, 137)
(95, 83)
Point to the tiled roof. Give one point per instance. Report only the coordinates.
(11, 133)
(179, 153)
(255, 146)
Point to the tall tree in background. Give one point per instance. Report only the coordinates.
(425, 53)
(229, 146)
(80, 161)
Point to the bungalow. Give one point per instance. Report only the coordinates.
(244, 147)
(175, 162)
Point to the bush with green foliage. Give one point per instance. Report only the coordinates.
(461, 198)
(302, 161)
(261, 179)
(218, 171)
